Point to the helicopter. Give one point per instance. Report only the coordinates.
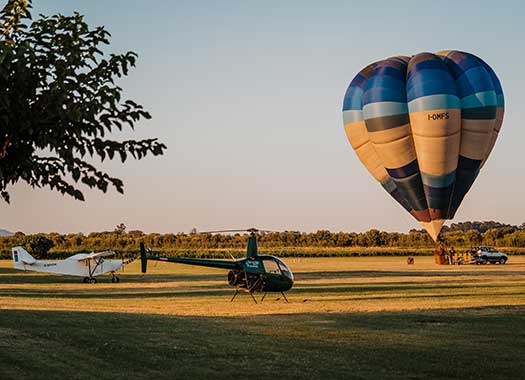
(255, 273)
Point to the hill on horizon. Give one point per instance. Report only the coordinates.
(5, 233)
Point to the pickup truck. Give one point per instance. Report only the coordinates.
(490, 255)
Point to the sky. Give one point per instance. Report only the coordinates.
(247, 96)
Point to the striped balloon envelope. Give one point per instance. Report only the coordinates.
(424, 126)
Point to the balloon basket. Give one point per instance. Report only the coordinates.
(441, 254)
(441, 259)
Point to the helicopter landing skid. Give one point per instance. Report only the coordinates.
(257, 286)
(237, 292)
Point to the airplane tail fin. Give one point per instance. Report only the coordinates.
(21, 258)
(143, 258)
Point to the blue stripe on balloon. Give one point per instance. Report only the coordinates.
(380, 109)
(457, 65)
(470, 62)
(384, 81)
(351, 116)
(429, 75)
(438, 181)
(430, 64)
(476, 79)
(383, 94)
(383, 88)
(500, 100)
(480, 99)
(359, 81)
(388, 71)
(353, 99)
(404, 171)
(430, 82)
(434, 102)
(495, 81)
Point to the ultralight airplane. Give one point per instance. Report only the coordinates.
(87, 265)
(254, 273)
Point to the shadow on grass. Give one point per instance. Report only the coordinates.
(11, 276)
(423, 273)
(442, 344)
(20, 277)
(116, 294)
(361, 291)
(228, 293)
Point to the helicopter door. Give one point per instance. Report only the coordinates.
(271, 267)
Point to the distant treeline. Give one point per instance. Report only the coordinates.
(287, 243)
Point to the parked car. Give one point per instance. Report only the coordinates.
(490, 255)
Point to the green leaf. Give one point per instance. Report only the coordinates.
(58, 95)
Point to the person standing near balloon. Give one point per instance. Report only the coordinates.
(451, 255)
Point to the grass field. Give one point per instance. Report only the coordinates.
(362, 318)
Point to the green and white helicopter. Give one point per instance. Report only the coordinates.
(254, 273)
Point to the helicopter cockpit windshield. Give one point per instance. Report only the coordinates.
(276, 266)
(285, 269)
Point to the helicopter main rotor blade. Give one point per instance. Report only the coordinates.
(251, 230)
(218, 231)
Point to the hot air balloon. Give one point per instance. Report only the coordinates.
(424, 126)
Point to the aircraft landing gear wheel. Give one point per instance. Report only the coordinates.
(86, 280)
(115, 279)
(92, 280)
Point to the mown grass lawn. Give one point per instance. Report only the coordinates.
(368, 318)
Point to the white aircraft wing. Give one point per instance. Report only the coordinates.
(95, 255)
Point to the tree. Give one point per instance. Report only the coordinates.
(373, 238)
(59, 100)
(120, 229)
(38, 245)
(135, 234)
(474, 237)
